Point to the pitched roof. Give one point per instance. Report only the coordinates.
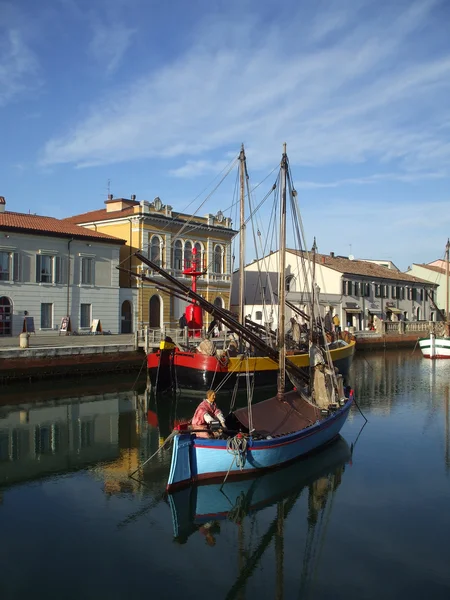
(360, 267)
(432, 268)
(100, 215)
(25, 223)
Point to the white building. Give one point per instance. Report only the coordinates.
(354, 290)
(51, 269)
(436, 275)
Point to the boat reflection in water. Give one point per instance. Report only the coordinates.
(202, 508)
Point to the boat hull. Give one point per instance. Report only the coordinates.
(435, 347)
(198, 372)
(197, 459)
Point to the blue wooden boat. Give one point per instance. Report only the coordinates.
(284, 430)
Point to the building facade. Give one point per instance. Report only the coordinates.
(169, 239)
(357, 291)
(436, 274)
(52, 271)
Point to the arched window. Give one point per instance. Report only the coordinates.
(178, 256)
(218, 302)
(187, 255)
(290, 283)
(218, 259)
(156, 250)
(199, 250)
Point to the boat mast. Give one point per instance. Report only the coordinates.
(281, 285)
(313, 291)
(447, 324)
(242, 170)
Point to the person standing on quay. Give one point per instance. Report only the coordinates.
(337, 325)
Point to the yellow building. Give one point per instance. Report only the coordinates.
(168, 238)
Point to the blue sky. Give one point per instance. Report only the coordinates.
(158, 96)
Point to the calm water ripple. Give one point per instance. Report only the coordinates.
(365, 520)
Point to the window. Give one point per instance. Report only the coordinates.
(377, 290)
(46, 315)
(258, 315)
(85, 315)
(44, 268)
(187, 255)
(357, 291)
(413, 294)
(9, 266)
(394, 292)
(178, 256)
(421, 295)
(87, 271)
(289, 283)
(156, 250)
(218, 257)
(367, 290)
(48, 269)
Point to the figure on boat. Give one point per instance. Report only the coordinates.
(206, 413)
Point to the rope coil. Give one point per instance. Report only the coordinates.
(237, 447)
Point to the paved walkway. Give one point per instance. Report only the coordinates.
(58, 341)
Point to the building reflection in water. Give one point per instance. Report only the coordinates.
(109, 433)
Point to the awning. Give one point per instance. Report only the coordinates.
(374, 311)
(353, 310)
(394, 310)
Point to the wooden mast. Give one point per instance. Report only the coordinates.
(242, 170)
(282, 284)
(447, 324)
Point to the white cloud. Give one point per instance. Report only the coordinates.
(361, 97)
(109, 44)
(194, 168)
(19, 68)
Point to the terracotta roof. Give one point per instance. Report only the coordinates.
(26, 223)
(432, 268)
(100, 215)
(360, 267)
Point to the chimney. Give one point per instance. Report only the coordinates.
(2, 204)
(110, 196)
(332, 254)
(133, 197)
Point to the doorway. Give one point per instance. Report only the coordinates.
(154, 312)
(5, 316)
(126, 320)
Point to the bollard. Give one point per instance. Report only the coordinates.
(24, 340)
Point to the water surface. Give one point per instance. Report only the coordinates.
(364, 520)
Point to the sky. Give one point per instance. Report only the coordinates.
(155, 98)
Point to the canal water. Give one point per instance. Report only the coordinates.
(366, 518)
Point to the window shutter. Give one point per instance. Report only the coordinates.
(16, 266)
(58, 273)
(38, 268)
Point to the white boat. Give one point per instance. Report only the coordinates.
(436, 346)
